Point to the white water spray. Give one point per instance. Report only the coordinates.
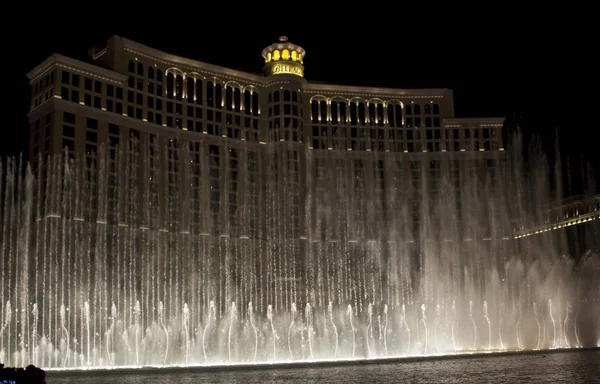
(539, 327)
(335, 333)
(352, 329)
(186, 331)
(553, 323)
(423, 319)
(406, 327)
(270, 318)
(65, 333)
(251, 316)
(293, 316)
(211, 313)
(309, 324)
(232, 319)
(474, 326)
(487, 318)
(385, 312)
(161, 321)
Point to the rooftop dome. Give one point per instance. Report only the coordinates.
(284, 57)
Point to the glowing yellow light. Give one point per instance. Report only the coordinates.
(276, 55)
(285, 55)
(294, 56)
(268, 57)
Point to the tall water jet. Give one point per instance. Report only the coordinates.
(5, 325)
(453, 336)
(65, 334)
(474, 325)
(161, 321)
(423, 319)
(352, 329)
(211, 318)
(487, 319)
(335, 334)
(435, 327)
(136, 330)
(293, 315)
(86, 315)
(232, 319)
(405, 324)
(34, 335)
(385, 313)
(309, 324)
(551, 315)
(565, 324)
(273, 332)
(186, 330)
(369, 334)
(539, 328)
(251, 317)
(110, 334)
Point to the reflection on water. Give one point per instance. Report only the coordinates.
(568, 367)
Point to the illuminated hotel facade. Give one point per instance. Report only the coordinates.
(221, 125)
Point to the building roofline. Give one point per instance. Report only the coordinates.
(488, 120)
(74, 65)
(168, 58)
(318, 87)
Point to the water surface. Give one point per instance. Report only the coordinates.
(565, 367)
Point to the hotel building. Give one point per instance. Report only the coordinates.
(230, 134)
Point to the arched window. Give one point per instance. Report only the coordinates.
(362, 113)
(210, 94)
(150, 72)
(219, 96)
(342, 108)
(228, 98)
(323, 110)
(334, 112)
(380, 119)
(131, 66)
(398, 115)
(198, 91)
(140, 69)
(315, 110)
(391, 117)
(371, 113)
(179, 87)
(190, 89)
(255, 107)
(247, 102)
(237, 100)
(170, 85)
(353, 113)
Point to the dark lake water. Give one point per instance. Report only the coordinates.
(563, 367)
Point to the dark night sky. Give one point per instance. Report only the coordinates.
(507, 64)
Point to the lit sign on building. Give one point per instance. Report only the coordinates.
(287, 68)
